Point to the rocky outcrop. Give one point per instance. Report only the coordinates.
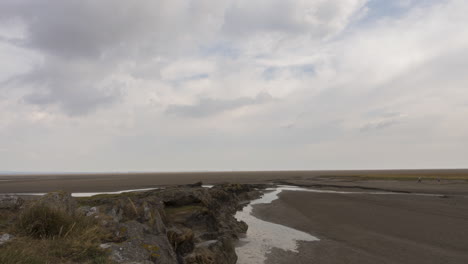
(10, 202)
(176, 225)
(141, 245)
(183, 224)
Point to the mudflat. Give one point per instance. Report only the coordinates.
(371, 228)
(95, 182)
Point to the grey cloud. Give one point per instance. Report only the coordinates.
(273, 16)
(74, 100)
(299, 71)
(209, 106)
(90, 29)
(379, 125)
(76, 38)
(316, 18)
(382, 112)
(106, 34)
(77, 28)
(74, 87)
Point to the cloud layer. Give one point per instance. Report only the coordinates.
(195, 85)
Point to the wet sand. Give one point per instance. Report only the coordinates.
(369, 228)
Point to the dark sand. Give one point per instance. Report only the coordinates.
(122, 181)
(372, 228)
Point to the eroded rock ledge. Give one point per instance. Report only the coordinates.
(182, 224)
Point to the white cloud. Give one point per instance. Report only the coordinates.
(146, 85)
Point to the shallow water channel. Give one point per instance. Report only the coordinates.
(262, 236)
(89, 194)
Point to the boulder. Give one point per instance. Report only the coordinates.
(5, 238)
(141, 246)
(181, 240)
(213, 251)
(11, 202)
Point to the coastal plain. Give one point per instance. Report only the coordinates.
(399, 216)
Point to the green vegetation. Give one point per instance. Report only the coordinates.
(184, 209)
(153, 249)
(99, 199)
(41, 221)
(46, 235)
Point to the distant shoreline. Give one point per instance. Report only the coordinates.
(99, 182)
(343, 172)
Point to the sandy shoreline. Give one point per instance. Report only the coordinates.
(372, 228)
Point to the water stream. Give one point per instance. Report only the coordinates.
(88, 194)
(262, 236)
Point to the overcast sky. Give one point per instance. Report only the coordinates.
(144, 85)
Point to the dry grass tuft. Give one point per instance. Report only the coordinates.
(46, 235)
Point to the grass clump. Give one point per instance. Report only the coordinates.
(40, 221)
(49, 235)
(20, 252)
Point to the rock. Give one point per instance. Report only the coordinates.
(105, 246)
(201, 255)
(206, 243)
(209, 213)
(182, 224)
(181, 240)
(197, 184)
(60, 201)
(88, 210)
(5, 238)
(182, 196)
(213, 251)
(224, 251)
(11, 202)
(142, 246)
(83, 210)
(92, 211)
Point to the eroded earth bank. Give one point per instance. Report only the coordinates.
(183, 224)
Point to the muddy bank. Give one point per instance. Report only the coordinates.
(369, 228)
(179, 224)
